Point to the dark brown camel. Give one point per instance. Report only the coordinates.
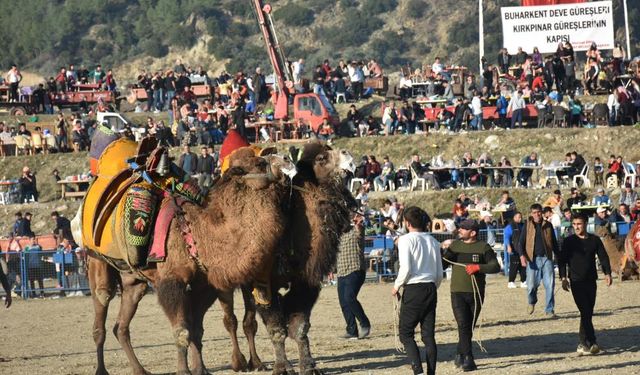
(319, 214)
(214, 227)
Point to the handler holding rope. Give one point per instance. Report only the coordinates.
(420, 275)
(477, 258)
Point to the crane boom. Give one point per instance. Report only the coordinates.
(283, 77)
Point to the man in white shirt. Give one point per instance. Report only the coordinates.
(516, 108)
(476, 107)
(298, 70)
(420, 274)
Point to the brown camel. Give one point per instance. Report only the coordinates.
(319, 214)
(228, 242)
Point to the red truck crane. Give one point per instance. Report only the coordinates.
(308, 108)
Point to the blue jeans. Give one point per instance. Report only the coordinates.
(170, 95)
(541, 269)
(476, 123)
(157, 99)
(516, 116)
(391, 126)
(348, 289)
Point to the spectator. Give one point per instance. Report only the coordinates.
(62, 229)
(460, 212)
(13, 77)
(61, 138)
(351, 268)
(33, 252)
(508, 204)
(373, 169)
(601, 199)
(614, 167)
(353, 121)
(205, 169)
(386, 175)
(25, 224)
(628, 196)
(326, 133)
(501, 109)
(390, 119)
(537, 246)
(511, 237)
(554, 201)
(552, 217)
(565, 223)
(18, 227)
(577, 197)
(516, 108)
(598, 171)
(635, 210)
(28, 185)
(476, 107)
(389, 210)
(623, 213)
(188, 161)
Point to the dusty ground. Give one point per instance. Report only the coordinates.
(54, 336)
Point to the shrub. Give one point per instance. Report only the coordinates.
(295, 15)
(374, 7)
(416, 8)
(153, 47)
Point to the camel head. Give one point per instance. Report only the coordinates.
(280, 167)
(330, 164)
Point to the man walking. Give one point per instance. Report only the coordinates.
(420, 274)
(536, 247)
(351, 275)
(578, 253)
(511, 237)
(479, 259)
(205, 169)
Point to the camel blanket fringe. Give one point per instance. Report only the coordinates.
(474, 332)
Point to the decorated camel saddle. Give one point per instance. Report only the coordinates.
(630, 262)
(132, 199)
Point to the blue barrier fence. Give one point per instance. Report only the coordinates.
(46, 273)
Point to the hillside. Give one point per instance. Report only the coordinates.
(551, 144)
(130, 35)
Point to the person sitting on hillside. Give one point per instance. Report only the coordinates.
(577, 198)
(373, 169)
(614, 167)
(326, 133)
(525, 173)
(374, 69)
(460, 212)
(554, 201)
(601, 198)
(387, 174)
(437, 66)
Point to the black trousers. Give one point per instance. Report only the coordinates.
(419, 307)
(466, 314)
(515, 267)
(348, 289)
(584, 293)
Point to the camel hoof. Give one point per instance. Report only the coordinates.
(239, 363)
(200, 371)
(256, 365)
(102, 371)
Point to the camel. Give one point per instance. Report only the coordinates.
(319, 214)
(630, 261)
(227, 221)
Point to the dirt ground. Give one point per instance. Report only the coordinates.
(54, 336)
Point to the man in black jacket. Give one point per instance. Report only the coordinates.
(63, 227)
(578, 254)
(188, 161)
(206, 166)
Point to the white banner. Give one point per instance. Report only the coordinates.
(547, 26)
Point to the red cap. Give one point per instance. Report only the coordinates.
(232, 142)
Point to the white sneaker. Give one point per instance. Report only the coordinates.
(523, 285)
(511, 285)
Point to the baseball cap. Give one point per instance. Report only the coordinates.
(469, 224)
(601, 209)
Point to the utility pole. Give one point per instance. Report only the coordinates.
(481, 33)
(626, 26)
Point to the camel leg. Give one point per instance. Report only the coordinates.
(205, 299)
(102, 281)
(273, 319)
(175, 299)
(299, 302)
(133, 290)
(238, 360)
(250, 326)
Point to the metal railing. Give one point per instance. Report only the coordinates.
(46, 273)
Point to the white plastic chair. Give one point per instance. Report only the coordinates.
(341, 95)
(629, 175)
(583, 175)
(353, 183)
(415, 180)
